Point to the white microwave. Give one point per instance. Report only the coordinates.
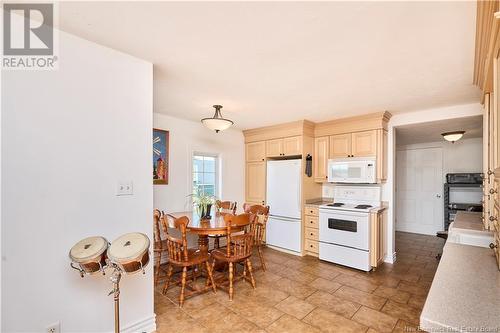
(352, 170)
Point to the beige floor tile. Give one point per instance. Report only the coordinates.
(295, 307)
(361, 297)
(402, 311)
(405, 327)
(392, 293)
(325, 285)
(256, 311)
(331, 322)
(266, 294)
(356, 282)
(321, 271)
(230, 322)
(417, 301)
(372, 318)
(413, 288)
(290, 324)
(333, 303)
(294, 288)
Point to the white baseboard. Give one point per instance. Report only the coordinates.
(284, 250)
(146, 325)
(390, 259)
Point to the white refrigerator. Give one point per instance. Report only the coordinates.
(283, 194)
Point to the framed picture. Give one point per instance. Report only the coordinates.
(160, 156)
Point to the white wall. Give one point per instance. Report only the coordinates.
(68, 137)
(465, 155)
(187, 137)
(450, 112)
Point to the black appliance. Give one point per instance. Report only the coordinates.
(456, 181)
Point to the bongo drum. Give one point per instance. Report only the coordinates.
(89, 255)
(130, 252)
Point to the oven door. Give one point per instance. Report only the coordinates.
(351, 229)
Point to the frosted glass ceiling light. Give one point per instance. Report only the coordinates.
(453, 136)
(217, 122)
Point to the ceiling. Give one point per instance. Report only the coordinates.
(431, 131)
(272, 62)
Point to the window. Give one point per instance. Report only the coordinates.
(205, 173)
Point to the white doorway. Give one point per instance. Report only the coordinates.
(419, 190)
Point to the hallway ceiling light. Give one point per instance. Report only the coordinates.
(217, 122)
(453, 136)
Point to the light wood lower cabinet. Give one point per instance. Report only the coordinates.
(255, 182)
(378, 251)
(311, 230)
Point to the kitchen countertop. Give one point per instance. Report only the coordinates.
(469, 221)
(464, 295)
(318, 201)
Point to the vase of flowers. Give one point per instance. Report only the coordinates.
(202, 203)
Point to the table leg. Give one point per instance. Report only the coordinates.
(203, 243)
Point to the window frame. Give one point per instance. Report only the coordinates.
(217, 170)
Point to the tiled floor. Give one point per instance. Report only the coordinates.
(308, 295)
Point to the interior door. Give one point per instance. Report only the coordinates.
(419, 190)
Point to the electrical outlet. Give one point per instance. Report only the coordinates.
(54, 328)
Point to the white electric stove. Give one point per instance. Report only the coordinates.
(344, 226)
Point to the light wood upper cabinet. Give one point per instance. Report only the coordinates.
(364, 143)
(256, 151)
(255, 182)
(274, 148)
(320, 158)
(340, 145)
(292, 146)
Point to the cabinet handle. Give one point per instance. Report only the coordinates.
(490, 172)
(493, 218)
(311, 233)
(312, 246)
(262, 160)
(493, 191)
(493, 246)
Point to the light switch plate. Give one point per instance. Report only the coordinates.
(125, 188)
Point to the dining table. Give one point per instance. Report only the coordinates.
(204, 227)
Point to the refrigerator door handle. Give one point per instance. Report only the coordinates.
(283, 218)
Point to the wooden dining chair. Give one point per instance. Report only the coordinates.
(179, 255)
(160, 230)
(238, 250)
(223, 207)
(261, 215)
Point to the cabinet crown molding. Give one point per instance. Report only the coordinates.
(376, 120)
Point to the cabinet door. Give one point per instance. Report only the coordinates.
(340, 145)
(320, 159)
(274, 148)
(364, 143)
(256, 151)
(292, 146)
(256, 182)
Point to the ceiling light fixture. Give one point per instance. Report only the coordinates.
(453, 136)
(217, 123)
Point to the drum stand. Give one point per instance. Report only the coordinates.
(115, 279)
